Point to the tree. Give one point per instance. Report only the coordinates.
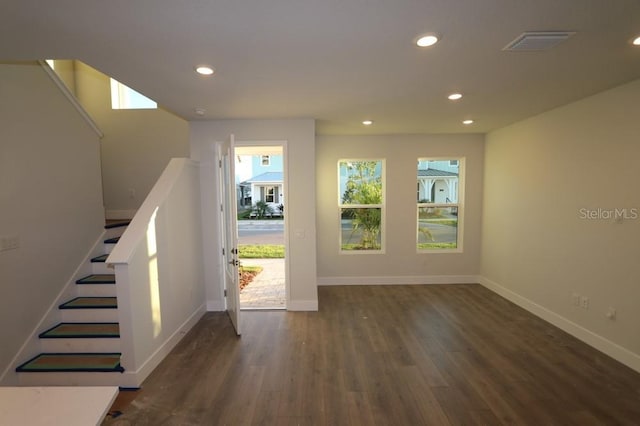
(364, 188)
(262, 209)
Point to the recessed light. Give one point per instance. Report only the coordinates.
(367, 122)
(467, 122)
(204, 70)
(454, 96)
(200, 111)
(427, 40)
(636, 41)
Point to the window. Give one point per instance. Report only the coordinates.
(265, 160)
(269, 194)
(123, 97)
(361, 202)
(438, 204)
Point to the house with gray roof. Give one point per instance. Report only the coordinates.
(267, 187)
(438, 181)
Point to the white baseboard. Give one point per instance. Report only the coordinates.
(615, 351)
(399, 280)
(215, 306)
(119, 214)
(302, 305)
(135, 378)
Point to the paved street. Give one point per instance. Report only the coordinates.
(260, 232)
(440, 233)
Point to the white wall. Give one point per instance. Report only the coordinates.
(299, 136)
(400, 264)
(50, 198)
(65, 69)
(538, 249)
(137, 144)
(160, 271)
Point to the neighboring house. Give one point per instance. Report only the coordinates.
(243, 171)
(438, 181)
(266, 187)
(266, 163)
(266, 183)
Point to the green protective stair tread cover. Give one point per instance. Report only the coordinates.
(101, 258)
(118, 224)
(90, 302)
(78, 330)
(49, 362)
(97, 279)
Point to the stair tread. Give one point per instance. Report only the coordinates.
(113, 240)
(73, 362)
(67, 330)
(100, 259)
(117, 224)
(90, 303)
(98, 279)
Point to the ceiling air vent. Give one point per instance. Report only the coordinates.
(540, 40)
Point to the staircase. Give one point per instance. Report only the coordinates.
(84, 348)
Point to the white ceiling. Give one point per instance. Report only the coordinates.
(338, 61)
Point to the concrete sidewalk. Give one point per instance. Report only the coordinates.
(267, 290)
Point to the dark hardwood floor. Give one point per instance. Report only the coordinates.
(387, 355)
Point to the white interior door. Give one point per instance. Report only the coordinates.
(230, 231)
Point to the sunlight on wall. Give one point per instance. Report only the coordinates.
(154, 285)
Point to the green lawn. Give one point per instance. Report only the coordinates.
(431, 246)
(447, 222)
(261, 251)
(251, 269)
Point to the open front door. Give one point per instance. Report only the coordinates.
(230, 230)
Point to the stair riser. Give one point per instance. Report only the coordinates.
(96, 290)
(89, 315)
(71, 379)
(101, 268)
(114, 232)
(80, 345)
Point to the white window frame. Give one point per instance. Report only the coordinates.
(381, 206)
(459, 205)
(269, 191)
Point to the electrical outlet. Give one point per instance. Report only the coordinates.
(575, 299)
(584, 302)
